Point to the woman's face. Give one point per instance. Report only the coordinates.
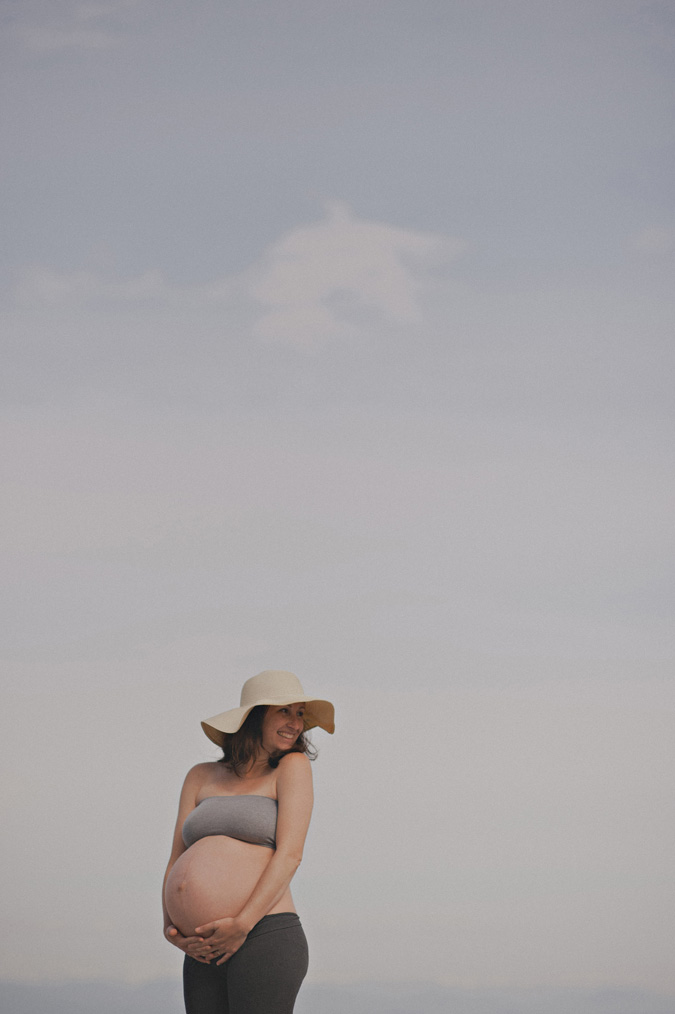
(282, 726)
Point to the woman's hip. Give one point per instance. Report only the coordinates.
(262, 977)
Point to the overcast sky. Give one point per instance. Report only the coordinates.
(338, 338)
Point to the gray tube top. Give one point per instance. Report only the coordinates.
(248, 818)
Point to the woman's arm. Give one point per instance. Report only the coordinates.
(295, 798)
(188, 801)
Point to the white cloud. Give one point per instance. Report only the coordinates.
(317, 282)
(314, 278)
(63, 26)
(43, 285)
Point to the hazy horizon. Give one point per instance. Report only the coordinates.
(165, 997)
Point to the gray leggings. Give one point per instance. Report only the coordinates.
(262, 977)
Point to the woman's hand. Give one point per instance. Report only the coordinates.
(223, 936)
(196, 947)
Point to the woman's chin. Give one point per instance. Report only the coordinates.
(281, 746)
(278, 752)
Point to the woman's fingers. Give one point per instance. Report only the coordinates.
(195, 946)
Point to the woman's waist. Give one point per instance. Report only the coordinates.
(281, 920)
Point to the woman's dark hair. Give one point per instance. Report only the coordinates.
(241, 746)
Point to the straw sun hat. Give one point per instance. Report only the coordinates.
(273, 686)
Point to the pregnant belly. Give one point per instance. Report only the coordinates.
(212, 879)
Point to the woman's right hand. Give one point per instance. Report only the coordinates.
(196, 947)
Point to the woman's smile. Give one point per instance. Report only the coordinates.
(282, 726)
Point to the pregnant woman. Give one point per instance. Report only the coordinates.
(239, 837)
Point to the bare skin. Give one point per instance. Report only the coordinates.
(219, 888)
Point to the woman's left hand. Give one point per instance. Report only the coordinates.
(223, 936)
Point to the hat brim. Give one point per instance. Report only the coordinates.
(318, 713)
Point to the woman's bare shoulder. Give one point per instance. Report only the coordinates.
(200, 773)
(294, 765)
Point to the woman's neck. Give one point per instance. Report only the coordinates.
(258, 766)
